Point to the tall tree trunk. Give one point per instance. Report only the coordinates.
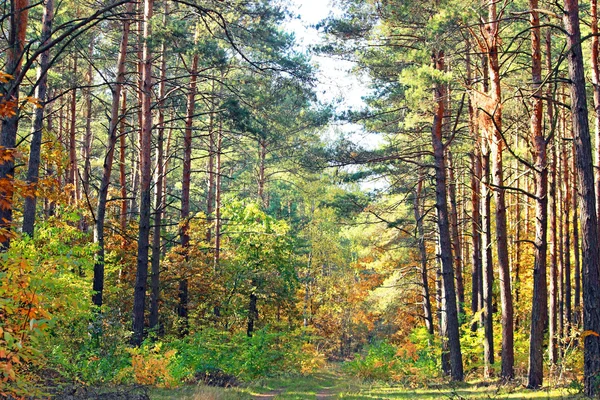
(98, 282)
(587, 199)
(487, 276)
(252, 313)
(19, 11)
(182, 309)
(427, 313)
(158, 188)
(476, 270)
(33, 168)
(49, 204)
(552, 122)
(139, 300)
(456, 245)
(561, 251)
(122, 176)
(218, 191)
(210, 190)
(441, 315)
(451, 309)
(539, 306)
(596, 88)
(577, 295)
(88, 138)
(567, 241)
(72, 177)
(497, 147)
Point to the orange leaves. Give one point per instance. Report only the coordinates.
(19, 307)
(34, 101)
(589, 333)
(4, 77)
(8, 107)
(150, 366)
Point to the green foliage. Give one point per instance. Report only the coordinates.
(247, 358)
(44, 302)
(409, 363)
(379, 363)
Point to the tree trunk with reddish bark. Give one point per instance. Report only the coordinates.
(139, 299)
(539, 306)
(497, 147)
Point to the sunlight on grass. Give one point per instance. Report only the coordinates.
(331, 383)
(200, 392)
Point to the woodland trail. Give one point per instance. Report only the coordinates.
(323, 385)
(271, 395)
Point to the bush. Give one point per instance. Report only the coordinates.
(247, 358)
(379, 363)
(43, 302)
(409, 363)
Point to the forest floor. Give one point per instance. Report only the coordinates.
(331, 384)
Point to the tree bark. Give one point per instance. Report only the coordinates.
(19, 12)
(577, 295)
(539, 300)
(596, 90)
(451, 309)
(552, 299)
(33, 168)
(587, 199)
(72, 177)
(567, 242)
(487, 276)
(210, 190)
(427, 313)
(139, 300)
(122, 176)
(252, 314)
(158, 189)
(456, 245)
(441, 314)
(182, 309)
(497, 147)
(88, 137)
(218, 192)
(476, 270)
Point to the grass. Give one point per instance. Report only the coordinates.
(200, 392)
(332, 384)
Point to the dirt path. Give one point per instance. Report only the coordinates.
(325, 394)
(270, 395)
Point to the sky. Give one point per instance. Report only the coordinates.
(334, 77)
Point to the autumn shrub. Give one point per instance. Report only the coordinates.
(43, 302)
(410, 362)
(150, 365)
(378, 363)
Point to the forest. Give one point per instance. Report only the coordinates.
(187, 212)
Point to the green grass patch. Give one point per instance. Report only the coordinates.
(332, 383)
